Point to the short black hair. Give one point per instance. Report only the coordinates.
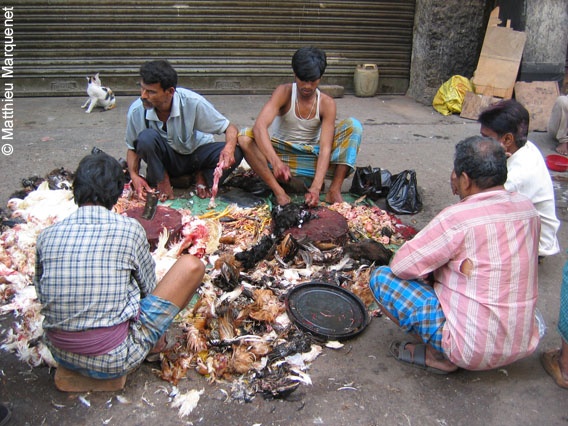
(483, 160)
(159, 71)
(507, 116)
(99, 179)
(309, 63)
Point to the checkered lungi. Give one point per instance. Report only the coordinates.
(563, 315)
(156, 314)
(302, 158)
(412, 303)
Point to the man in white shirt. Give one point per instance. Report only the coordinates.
(508, 122)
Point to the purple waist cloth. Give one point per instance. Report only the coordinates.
(93, 342)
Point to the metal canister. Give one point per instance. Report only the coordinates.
(366, 80)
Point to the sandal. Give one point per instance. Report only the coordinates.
(550, 362)
(417, 359)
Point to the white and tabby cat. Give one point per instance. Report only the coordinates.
(100, 96)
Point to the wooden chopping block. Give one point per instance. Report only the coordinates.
(70, 381)
(165, 217)
(328, 227)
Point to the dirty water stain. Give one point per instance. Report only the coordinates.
(431, 137)
(384, 123)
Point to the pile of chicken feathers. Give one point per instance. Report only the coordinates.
(236, 329)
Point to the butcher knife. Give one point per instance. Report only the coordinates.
(294, 185)
(151, 205)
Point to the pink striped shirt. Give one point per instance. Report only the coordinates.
(490, 318)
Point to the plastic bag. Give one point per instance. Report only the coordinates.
(450, 95)
(372, 182)
(403, 197)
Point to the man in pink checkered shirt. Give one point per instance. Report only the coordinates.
(466, 285)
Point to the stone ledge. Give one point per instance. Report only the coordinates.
(332, 90)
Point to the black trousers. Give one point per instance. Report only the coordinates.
(159, 156)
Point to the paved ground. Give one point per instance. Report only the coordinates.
(398, 134)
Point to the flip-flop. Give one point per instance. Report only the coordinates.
(549, 360)
(418, 359)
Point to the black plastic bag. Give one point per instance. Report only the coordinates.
(403, 196)
(372, 182)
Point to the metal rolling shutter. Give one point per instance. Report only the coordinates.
(216, 46)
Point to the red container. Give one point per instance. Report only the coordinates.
(557, 163)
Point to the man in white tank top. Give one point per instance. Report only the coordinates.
(305, 140)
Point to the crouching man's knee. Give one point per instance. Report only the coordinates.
(146, 141)
(245, 142)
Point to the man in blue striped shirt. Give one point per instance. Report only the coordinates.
(96, 281)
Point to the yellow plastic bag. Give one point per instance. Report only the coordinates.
(450, 95)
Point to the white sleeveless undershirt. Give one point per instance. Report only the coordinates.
(291, 128)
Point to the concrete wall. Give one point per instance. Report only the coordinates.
(546, 25)
(448, 35)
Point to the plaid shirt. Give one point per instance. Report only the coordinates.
(490, 311)
(92, 269)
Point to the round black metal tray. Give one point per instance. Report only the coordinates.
(326, 310)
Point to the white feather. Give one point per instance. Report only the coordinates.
(334, 344)
(300, 376)
(84, 401)
(187, 402)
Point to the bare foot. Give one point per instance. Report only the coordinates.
(562, 148)
(203, 191)
(434, 358)
(160, 345)
(201, 186)
(552, 363)
(165, 189)
(333, 197)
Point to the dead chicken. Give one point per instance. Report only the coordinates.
(228, 275)
(275, 382)
(287, 248)
(226, 326)
(311, 254)
(360, 286)
(296, 342)
(205, 306)
(259, 348)
(266, 306)
(213, 366)
(196, 341)
(289, 216)
(369, 250)
(256, 253)
(174, 371)
(242, 359)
